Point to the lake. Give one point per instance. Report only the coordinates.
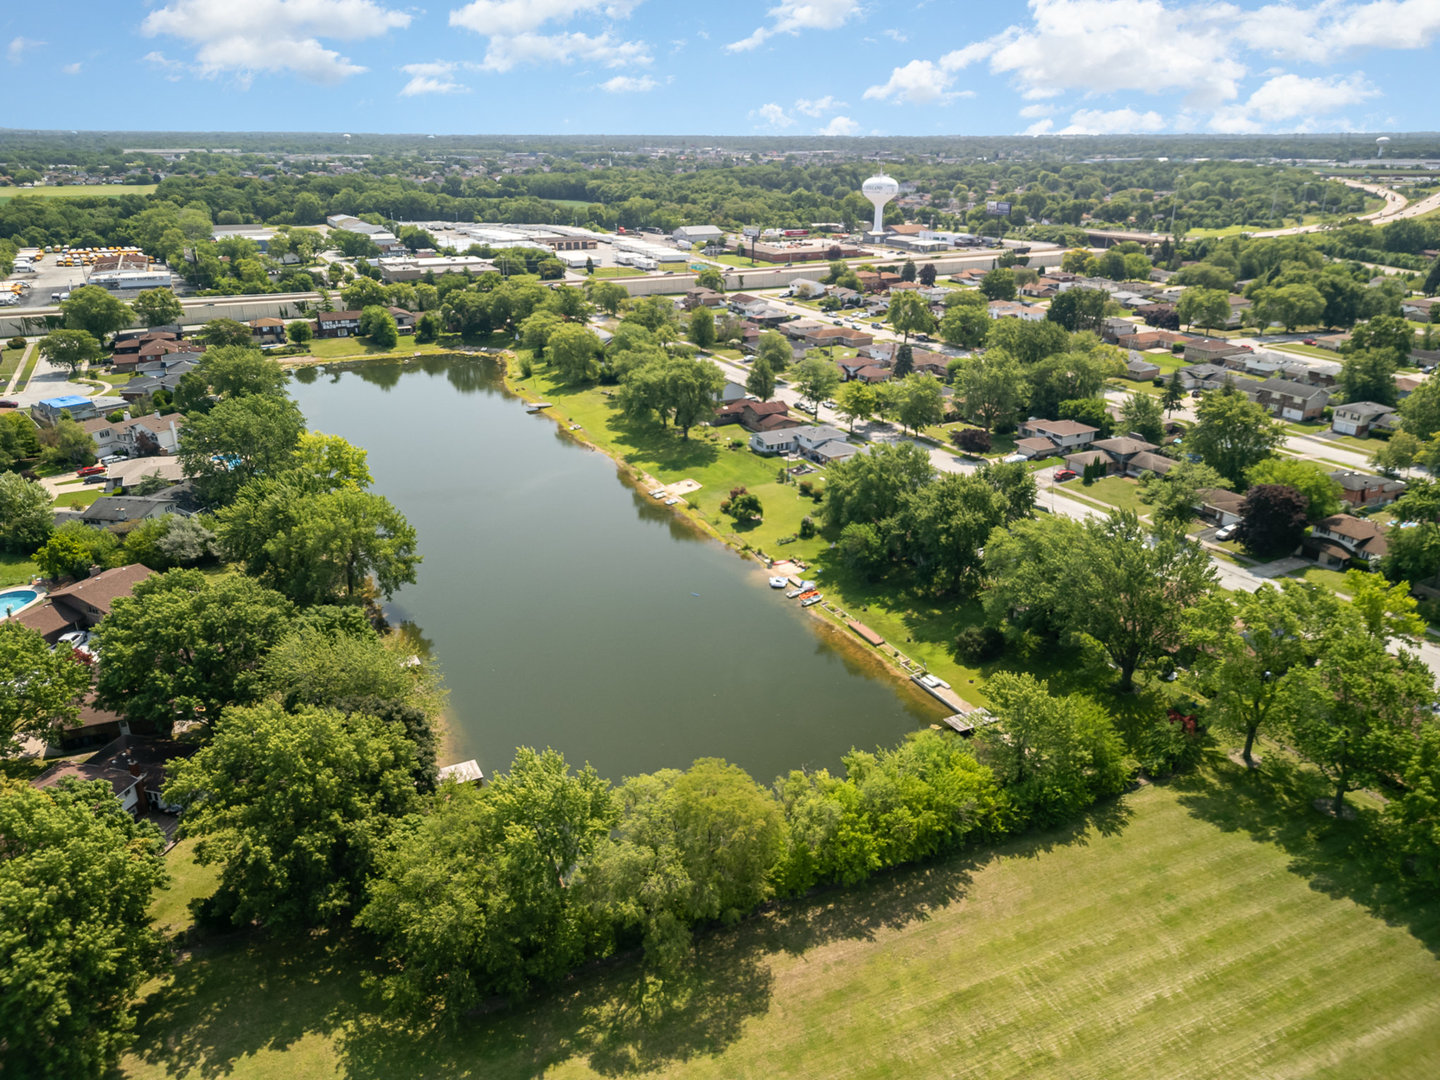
(567, 609)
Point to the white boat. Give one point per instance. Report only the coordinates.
(658, 493)
(671, 501)
(793, 593)
(811, 601)
(778, 582)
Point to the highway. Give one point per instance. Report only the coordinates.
(1396, 208)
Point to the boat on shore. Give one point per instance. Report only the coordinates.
(810, 601)
(778, 582)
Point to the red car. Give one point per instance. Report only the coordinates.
(1065, 474)
(91, 470)
(1309, 341)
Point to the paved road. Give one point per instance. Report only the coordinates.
(1396, 208)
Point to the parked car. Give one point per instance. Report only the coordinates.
(1065, 474)
(1225, 532)
(90, 470)
(8, 404)
(75, 638)
(877, 326)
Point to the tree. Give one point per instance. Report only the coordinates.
(1389, 612)
(1107, 579)
(711, 279)
(67, 444)
(477, 899)
(1354, 706)
(998, 284)
(1233, 434)
(856, 400)
(70, 349)
(299, 332)
(575, 353)
(25, 514)
(927, 275)
(219, 333)
(1078, 309)
(608, 296)
(760, 380)
(42, 687)
(1026, 340)
(742, 505)
(910, 314)
(184, 645)
(907, 271)
(1067, 377)
(945, 524)
(92, 309)
(293, 808)
(692, 387)
(379, 326)
(363, 292)
(1289, 305)
(229, 371)
(920, 402)
(427, 328)
(319, 548)
(77, 873)
(702, 327)
(965, 325)
(1141, 413)
(1368, 375)
(904, 362)
(871, 487)
(1054, 755)
(1251, 649)
(1174, 395)
(1207, 276)
(862, 549)
(1322, 493)
(816, 379)
(1174, 496)
(73, 548)
(973, 441)
(1208, 307)
(774, 350)
(1384, 333)
(240, 439)
(157, 307)
(1273, 519)
(1420, 411)
(1400, 453)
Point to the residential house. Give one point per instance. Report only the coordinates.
(833, 451)
(139, 436)
(337, 324)
(1427, 360)
(1113, 329)
(839, 335)
(1289, 400)
(89, 600)
(267, 331)
(1060, 434)
(869, 373)
(732, 392)
(1405, 385)
(134, 767)
(404, 320)
(1220, 506)
(1138, 369)
(756, 415)
(1034, 448)
(1239, 305)
(800, 329)
(119, 513)
(808, 439)
(745, 305)
(1083, 459)
(1359, 489)
(1340, 539)
(51, 410)
(1419, 309)
(1357, 417)
(806, 288)
(774, 442)
(1010, 309)
(1209, 350)
(1206, 377)
(698, 298)
(1145, 461)
(1122, 451)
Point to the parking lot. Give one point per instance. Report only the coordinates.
(47, 279)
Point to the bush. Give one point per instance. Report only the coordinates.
(977, 644)
(17, 343)
(807, 527)
(1171, 745)
(971, 440)
(527, 367)
(807, 488)
(116, 417)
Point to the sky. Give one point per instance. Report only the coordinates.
(676, 67)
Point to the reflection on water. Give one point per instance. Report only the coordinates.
(561, 609)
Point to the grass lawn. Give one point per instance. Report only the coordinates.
(360, 348)
(15, 570)
(1333, 580)
(1115, 490)
(78, 191)
(73, 499)
(1212, 926)
(28, 370)
(615, 272)
(1301, 349)
(9, 364)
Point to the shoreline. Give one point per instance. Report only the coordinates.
(834, 630)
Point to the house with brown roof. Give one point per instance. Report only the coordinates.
(1220, 506)
(839, 335)
(1364, 489)
(332, 324)
(267, 331)
(134, 767)
(1061, 434)
(1119, 452)
(1209, 351)
(139, 436)
(756, 415)
(89, 600)
(1146, 461)
(1340, 539)
(701, 297)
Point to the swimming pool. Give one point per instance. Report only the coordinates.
(13, 601)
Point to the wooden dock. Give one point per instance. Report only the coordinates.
(967, 723)
(943, 694)
(462, 772)
(868, 635)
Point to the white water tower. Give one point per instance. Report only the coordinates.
(1380, 145)
(880, 189)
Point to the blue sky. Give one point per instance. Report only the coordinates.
(802, 67)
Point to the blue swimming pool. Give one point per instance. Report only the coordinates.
(13, 600)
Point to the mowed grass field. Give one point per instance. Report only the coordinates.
(1214, 926)
(77, 191)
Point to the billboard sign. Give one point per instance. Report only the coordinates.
(996, 208)
(752, 233)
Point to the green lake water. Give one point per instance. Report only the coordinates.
(567, 609)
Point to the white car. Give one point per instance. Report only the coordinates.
(1227, 531)
(75, 639)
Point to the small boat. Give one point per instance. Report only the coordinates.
(792, 594)
(807, 595)
(806, 586)
(778, 582)
(812, 600)
(658, 493)
(671, 501)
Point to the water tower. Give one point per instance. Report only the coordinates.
(880, 189)
(1380, 145)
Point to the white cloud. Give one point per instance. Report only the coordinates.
(1287, 97)
(1032, 112)
(171, 69)
(819, 106)
(773, 115)
(503, 18)
(605, 49)
(628, 84)
(840, 125)
(920, 82)
(1040, 127)
(1332, 28)
(896, 35)
(793, 16)
(72, 69)
(1112, 122)
(273, 35)
(435, 77)
(19, 46)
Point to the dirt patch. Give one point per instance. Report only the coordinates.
(683, 487)
(1327, 807)
(1238, 757)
